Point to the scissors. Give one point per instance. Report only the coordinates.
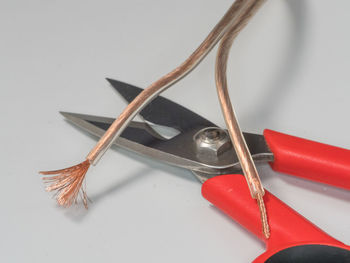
(175, 135)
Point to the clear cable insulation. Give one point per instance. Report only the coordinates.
(244, 156)
(232, 16)
(68, 182)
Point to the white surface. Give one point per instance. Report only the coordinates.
(289, 71)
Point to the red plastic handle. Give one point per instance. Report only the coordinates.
(230, 194)
(308, 159)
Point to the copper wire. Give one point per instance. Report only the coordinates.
(66, 183)
(244, 156)
(263, 216)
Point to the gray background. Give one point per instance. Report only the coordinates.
(289, 71)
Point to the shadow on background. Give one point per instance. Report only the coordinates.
(78, 213)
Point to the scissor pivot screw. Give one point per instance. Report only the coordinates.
(212, 140)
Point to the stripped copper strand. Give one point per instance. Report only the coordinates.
(263, 216)
(69, 181)
(244, 156)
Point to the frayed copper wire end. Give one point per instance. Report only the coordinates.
(263, 216)
(68, 183)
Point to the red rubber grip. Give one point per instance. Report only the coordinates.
(230, 194)
(308, 159)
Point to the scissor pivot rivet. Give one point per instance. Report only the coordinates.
(212, 140)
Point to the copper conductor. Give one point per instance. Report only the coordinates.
(68, 183)
(256, 189)
(263, 216)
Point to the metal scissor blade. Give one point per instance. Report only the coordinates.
(136, 137)
(161, 110)
(137, 132)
